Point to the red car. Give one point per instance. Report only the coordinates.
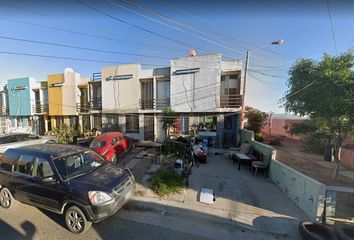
(111, 145)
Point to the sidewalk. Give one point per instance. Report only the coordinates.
(246, 206)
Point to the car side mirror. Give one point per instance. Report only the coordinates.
(49, 179)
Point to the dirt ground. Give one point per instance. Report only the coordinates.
(291, 153)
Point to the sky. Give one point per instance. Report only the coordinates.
(152, 32)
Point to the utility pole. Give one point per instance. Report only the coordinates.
(244, 89)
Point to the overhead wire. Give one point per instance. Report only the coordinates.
(131, 24)
(331, 25)
(219, 34)
(90, 26)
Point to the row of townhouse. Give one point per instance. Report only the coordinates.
(204, 91)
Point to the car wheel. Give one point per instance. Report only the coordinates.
(315, 231)
(7, 201)
(344, 231)
(76, 220)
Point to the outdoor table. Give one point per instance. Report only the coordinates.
(242, 158)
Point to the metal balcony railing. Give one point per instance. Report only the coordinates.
(96, 105)
(4, 111)
(82, 108)
(40, 108)
(150, 104)
(231, 101)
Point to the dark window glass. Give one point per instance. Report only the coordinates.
(8, 158)
(114, 141)
(77, 164)
(42, 168)
(24, 165)
(97, 144)
(132, 123)
(8, 139)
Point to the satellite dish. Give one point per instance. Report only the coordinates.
(68, 70)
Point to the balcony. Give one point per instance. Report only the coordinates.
(154, 104)
(40, 108)
(82, 108)
(96, 105)
(231, 101)
(4, 111)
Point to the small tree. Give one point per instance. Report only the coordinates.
(325, 91)
(65, 134)
(168, 120)
(255, 121)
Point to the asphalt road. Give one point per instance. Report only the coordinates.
(25, 222)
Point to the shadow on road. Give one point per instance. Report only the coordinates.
(8, 232)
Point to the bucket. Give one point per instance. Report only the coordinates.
(178, 167)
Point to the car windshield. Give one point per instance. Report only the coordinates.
(97, 144)
(77, 164)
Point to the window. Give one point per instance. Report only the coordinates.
(114, 141)
(25, 137)
(121, 137)
(42, 168)
(77, 164)
(184, 125)
(207, 123)
(8, 139)
(132, 123)
(24, 165)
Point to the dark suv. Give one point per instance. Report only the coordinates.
(65, 179)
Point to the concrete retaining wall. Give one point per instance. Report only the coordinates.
(307, 193)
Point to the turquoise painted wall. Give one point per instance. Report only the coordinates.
(19, 100)
(307, 193)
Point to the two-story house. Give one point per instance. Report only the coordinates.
(63, 96)
(20, 98)
(4, 109)
(204, 91)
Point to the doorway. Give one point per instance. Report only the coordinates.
(149, 127)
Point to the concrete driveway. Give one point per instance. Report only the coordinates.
(249, 201)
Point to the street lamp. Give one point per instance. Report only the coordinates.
(276, 42)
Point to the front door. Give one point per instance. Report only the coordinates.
(230, 130)
(149, 127)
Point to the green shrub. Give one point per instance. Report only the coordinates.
(164, 182)
(66, 134)
(276, 141)
(314, 144)
(259, 137)
(170, 148)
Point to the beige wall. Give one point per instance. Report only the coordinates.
(70, 93)
(121, 95)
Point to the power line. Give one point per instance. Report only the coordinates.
(104, 61)
(66, 58)
(173, 20)
(84, 25)
(131, 24)
(331, 24)
(260, 80)
(78, 33)
(219, 34)
(173, 27)
(92, 49)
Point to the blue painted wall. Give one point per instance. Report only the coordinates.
(19, 100)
